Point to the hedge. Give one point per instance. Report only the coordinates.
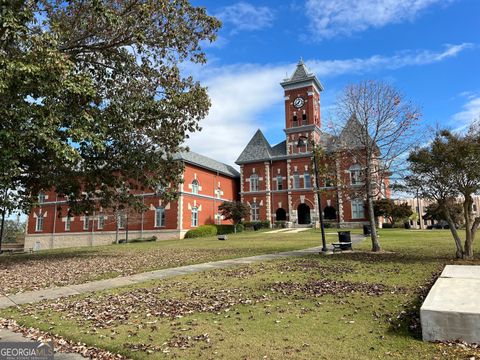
(228, 229)
(201, 231)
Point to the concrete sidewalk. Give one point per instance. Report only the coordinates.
(7, 336)
(54, 293)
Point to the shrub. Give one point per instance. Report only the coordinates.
(327, 225)
(228, 229)
(387, 226)
(281, 224)
(249, 225)
(201, 231)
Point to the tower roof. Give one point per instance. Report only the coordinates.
(301, 76)
(257, 148)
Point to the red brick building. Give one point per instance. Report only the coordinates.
(206, 184)
(277, 181)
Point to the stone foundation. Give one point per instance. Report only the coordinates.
(65, 240)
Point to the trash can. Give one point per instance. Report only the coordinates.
(367, 230)
(344, 237)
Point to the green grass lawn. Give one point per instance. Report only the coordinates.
(355, 305)
(61, 267)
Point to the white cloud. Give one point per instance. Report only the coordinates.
(330, 18)
(241, 93)
(470, 112)
(245, 16)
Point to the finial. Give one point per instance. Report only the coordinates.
(301, 60)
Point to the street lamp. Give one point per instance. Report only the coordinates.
(303, 141)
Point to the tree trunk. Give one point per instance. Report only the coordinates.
(371, 212)
(453, 230)
(374, 235)
(467, 213)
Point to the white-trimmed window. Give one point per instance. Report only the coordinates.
(358, 209)
(194, 216)
(86, 222)
(41, 197)
(356, 175)
(296, 180)
(195, 186)
(101, 221)
(254, 212)
(39, 223)
(159, 216)
(307, 181)
(121, 220)
(68, 223)
(254, 182)
(218, 193)
(219, 219)
(279, 182)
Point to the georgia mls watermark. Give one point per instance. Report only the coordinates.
(26, 351)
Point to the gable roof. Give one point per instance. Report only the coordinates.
(205, 162)
(349, 138)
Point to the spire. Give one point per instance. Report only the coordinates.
(302, 74)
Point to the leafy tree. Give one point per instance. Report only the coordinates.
(392, 211)
(92, 97)
(378, 130)
(234, 211)
(449, 168)
(437, 213)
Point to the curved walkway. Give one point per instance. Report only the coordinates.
(99, 285)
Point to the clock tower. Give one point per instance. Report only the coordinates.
(302, 107)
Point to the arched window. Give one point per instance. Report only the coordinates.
(195, 186)
(254, 182)
(307, 182)
(296, 180)
(254, 212)
(356, 175)
(159, 216)
(194, 217)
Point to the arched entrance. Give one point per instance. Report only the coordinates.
(281, 215)
(303, 212)
(330, 213)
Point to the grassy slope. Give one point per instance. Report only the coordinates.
(296, 325)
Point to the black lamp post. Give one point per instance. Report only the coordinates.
(303, 141)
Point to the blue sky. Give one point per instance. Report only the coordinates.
(428, 49)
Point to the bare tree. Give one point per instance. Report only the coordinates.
(377, 133)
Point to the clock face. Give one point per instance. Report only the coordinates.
(298, 102)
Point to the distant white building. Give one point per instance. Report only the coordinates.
(419, 205)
